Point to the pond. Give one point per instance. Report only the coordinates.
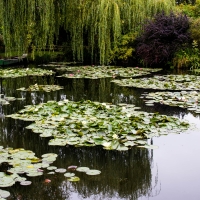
(169, 172)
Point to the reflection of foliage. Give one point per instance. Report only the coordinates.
(162, 37)
(124, 175)
(124, 49)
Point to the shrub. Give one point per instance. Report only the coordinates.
(124, 50)
(162, 37)
(187, 57)
(191, 10)
(195, 30)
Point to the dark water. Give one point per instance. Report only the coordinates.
(171, 172)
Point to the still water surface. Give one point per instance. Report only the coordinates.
(171, 172)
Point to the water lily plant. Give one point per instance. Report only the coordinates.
(87, 123)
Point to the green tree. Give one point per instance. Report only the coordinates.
(97, 24)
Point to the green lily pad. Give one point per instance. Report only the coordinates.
(45, 88)
(6, 181)
(74, 179)
(149, 146)
(4, 194)
(95, 72)
(52, 168)
(93, 172)
(33, 174)
(20, 72)
(82, 169)
(60, 170)
(87, 123)
(164, 82)
(68, 175)
(51, 173)
(25, 183)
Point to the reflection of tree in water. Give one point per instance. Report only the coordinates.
(133, 96)
(86, 89)
(125, 174)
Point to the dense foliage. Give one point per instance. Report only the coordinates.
(161, 37)
(96, 25)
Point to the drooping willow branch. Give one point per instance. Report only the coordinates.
(98, 23)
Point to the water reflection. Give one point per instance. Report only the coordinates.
(125, 175)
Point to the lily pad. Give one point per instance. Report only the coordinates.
(165, 82)
(149, 146)
(52, 168)
(82, 169)
(94, 72)
(74, 179)
(87, 123)
(68, 175)
(20, 72)
(60, 170)
(6, 181)
(4, 194)
(45, 88)
(93, 172)
(25, 183)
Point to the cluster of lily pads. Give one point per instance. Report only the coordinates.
(24, 162)
(45, 88)
(95, 72)
(183, 99)
(167, 82)
(86, 123)
(5, 100)
(20, 72)
(21, 161)
(59, 64)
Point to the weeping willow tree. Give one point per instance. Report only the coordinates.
(97, 24)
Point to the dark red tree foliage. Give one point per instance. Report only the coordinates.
(161, 37)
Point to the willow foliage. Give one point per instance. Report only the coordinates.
(97, 24)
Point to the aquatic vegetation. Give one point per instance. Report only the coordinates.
(93, 172)
(86, 123)
(166, 82)
(69, 174)
(94, 72)
(21, 161)
(183, 99)
(4, 194)
(45, 88)
(4, 100)
(20, 72)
